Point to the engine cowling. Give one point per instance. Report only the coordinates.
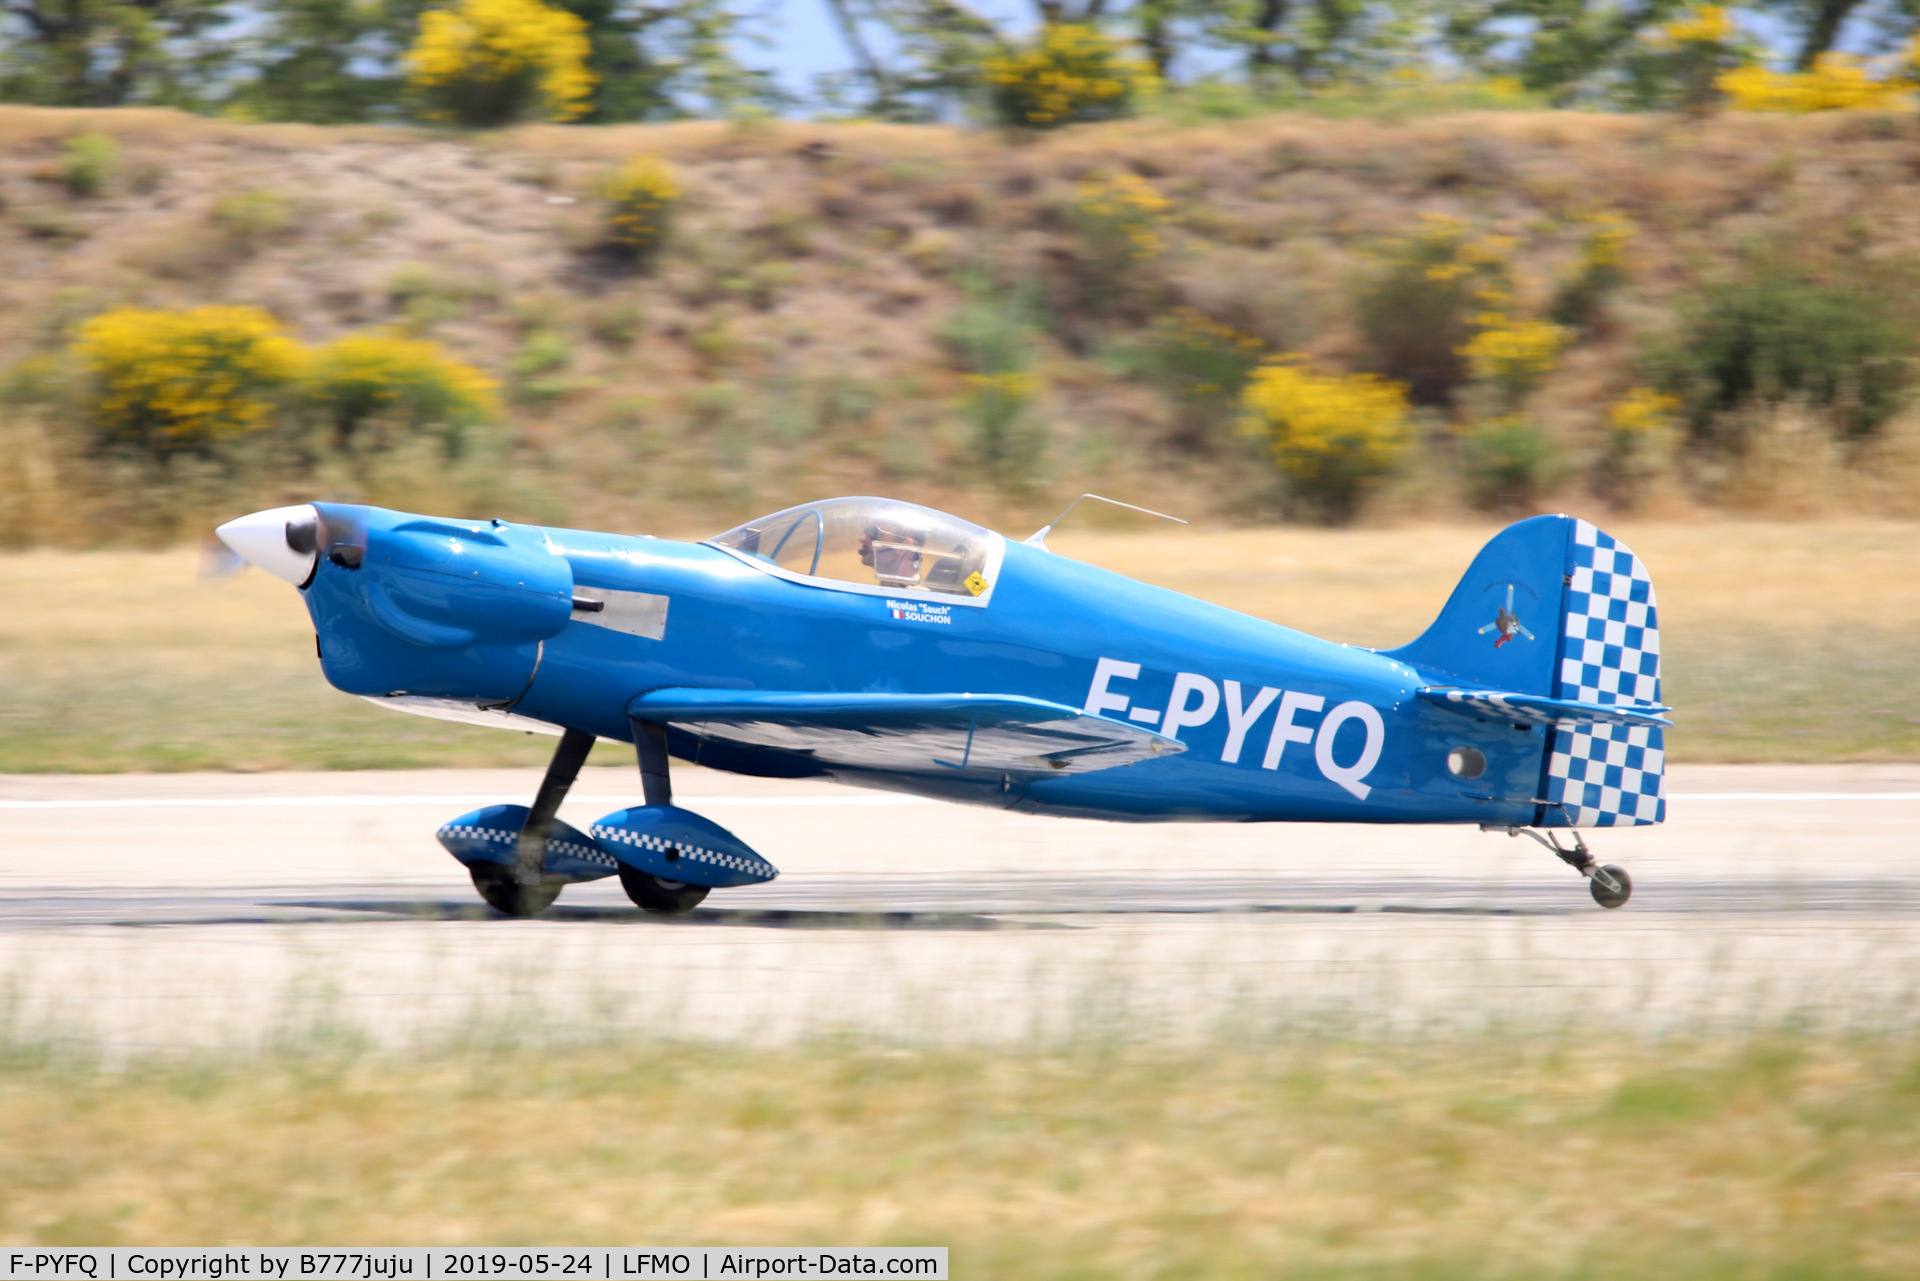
(447, 584)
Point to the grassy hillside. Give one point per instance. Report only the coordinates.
(820, 316)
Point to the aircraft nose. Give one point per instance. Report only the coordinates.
(281, 540)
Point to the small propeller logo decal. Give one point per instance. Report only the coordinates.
(1506, 623)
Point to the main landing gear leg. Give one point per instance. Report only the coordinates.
(649, 892)
(525, 889)
(1611, 886)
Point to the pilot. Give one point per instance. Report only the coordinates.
(892, 549)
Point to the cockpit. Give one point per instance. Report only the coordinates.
(874, 543)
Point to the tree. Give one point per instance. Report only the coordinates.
(327, 61)
(913, 59)
(488, 63)
(1565, 49)
(332, 61)
(667, 60)
(110, 53)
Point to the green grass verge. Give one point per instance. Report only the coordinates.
(1852, 696)
(1568, 1156)
(131, 716)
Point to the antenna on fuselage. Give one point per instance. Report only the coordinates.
(1039, 538)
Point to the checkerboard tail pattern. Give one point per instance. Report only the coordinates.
(1607, 775)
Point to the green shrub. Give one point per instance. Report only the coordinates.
(1509, 463)
(617, 324)
(538, 368)
(1006, 443)
(1202, 364)
(995, 331)
(1119, 220)
(1601, 270)
(90, 160)
(1838, 338)
(1419, 305)
(247, 220)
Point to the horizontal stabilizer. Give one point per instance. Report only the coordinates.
(922, 733)
(1535, 709)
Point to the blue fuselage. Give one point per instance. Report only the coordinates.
(1053, 629)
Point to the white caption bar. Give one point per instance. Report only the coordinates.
(421, 1263)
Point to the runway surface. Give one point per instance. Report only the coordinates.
(203, 911)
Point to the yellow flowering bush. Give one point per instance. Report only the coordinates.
(1680, 60)
(1513, 355)
(1601, 269)
(409, 382)
(1070, 73)
(640, 196)
(176, 380)
(1836, 82)
(1605, 249)
(1418, 309)
(1709, 24)
(1331, 434)
(1120, 216)
(486, 63)
(1641, 412)
(1642, 436)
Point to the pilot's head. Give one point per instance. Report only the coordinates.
(892, 549)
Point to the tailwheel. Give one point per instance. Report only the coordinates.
(509, 897)
(651, 893)
(1611, 885)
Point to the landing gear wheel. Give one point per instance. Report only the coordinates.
(507, 896)
(1610, 897)
(662, 898)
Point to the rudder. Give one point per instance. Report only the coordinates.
(1554, 607)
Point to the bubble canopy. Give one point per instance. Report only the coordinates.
(876, 545)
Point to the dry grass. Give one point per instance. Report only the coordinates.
(1784, 642)
(1572, 1157)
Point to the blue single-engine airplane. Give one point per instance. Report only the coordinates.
(889, 645)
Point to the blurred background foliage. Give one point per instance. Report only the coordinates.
(1061, 62)
(1263, 259)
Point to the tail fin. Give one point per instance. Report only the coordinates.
(1556, 608)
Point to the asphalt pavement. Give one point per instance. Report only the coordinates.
(213, 911)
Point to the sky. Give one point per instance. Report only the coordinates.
(803, 40)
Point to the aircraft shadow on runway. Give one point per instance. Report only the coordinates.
(983, 919)
(758, 918)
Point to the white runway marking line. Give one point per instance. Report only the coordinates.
(824, 802)
(379, 802)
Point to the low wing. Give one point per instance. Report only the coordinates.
(921, 733)
(1533, 709)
